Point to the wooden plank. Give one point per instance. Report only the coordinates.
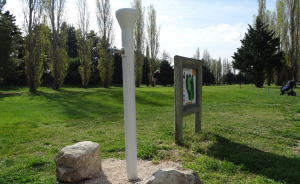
(191, 110)
(178, 91)
(199, 98)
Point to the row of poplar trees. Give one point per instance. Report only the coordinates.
(216, 68)
(46, 39)
(285, 21)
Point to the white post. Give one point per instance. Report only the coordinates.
(127, 18)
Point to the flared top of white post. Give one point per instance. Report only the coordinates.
(127, 17)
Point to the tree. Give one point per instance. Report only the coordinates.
(229, 78)
(58, 38)
(146, 71)
(213, 67)
(10, 37)
(32, 11)
(105, 23)
(261, 9)
(139, 39)
(118, 73)
(285, 20)
(72, 42)
(73, 76)
(166, 75)
(293, 50)
(206, 58)
(219, 71)
(259, 53)
(239, 78)
(84, 42)
(197, 55)
(153, 40)
(208, 77)
(40, 42)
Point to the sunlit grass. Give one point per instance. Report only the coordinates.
(248, 135)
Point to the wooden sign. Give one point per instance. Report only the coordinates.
(188, 92)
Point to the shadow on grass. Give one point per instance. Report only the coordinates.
(279, 168)
(9, 88)
(74, 105)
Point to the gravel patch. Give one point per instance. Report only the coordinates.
(114, 171)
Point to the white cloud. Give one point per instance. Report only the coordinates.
(221, 40)
(168, 18)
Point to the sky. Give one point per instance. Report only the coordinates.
(217, 26)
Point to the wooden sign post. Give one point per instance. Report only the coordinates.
(188, 92)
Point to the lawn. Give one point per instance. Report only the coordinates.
(248, 135)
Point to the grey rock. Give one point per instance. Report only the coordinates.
(77, 162)
(172, 176)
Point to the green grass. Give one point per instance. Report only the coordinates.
(248, 135)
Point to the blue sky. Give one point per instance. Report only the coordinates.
(217, 26)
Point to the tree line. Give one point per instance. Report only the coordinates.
(54, 51)
(270, 49)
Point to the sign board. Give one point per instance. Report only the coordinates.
(188, 92)
(189, 86)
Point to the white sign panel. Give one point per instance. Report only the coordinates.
(189, 86)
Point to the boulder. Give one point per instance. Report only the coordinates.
(77, 162)
(172, 176)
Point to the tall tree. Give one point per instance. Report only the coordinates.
(153, 32)
(40, 42)
(219, 71)
(139, 41)
(285, 20)
(55, 10)
(84, 42)
(259, 53)
(10, 37)
(197, 55)
(72, 42)
(105, 23)
(146, 69)
(261, 9)
(206, 58)
(293, 21)
(213, 67)
(33, 13)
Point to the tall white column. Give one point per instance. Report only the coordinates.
(127, 18)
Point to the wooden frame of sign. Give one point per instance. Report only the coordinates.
(194, 106)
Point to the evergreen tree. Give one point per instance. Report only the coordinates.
(230, 78)
(259, 54)
(146, 70)
(166, 75)
(71, 43)
(208, 76)
(118, 73)
(239, 78)
(10, 37)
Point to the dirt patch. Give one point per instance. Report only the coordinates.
(297, 114)
(114, 171)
